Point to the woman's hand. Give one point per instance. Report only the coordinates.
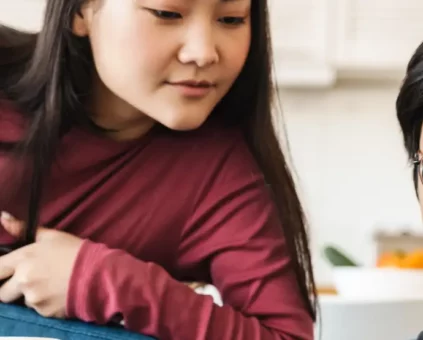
(39, 272)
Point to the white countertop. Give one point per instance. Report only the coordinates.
(370, 319)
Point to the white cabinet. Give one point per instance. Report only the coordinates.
(378, 33)
(333, 37)
(301, 41)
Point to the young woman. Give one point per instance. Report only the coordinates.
(138, 135)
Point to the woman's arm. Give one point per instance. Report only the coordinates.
(235, 233)
(112, 285)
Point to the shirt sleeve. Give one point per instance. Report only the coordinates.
(235, 231)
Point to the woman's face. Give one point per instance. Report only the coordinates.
(170, 60)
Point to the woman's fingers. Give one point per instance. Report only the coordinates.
(10, 291)
(195, 285)
(13, 226)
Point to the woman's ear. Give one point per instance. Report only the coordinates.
(80, 25)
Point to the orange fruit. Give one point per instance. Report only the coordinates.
(390, 260)
(413, 260)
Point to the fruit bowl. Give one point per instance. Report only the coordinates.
(362, 282)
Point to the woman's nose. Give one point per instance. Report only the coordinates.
(200, 48)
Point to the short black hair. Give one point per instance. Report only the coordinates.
(409, 107)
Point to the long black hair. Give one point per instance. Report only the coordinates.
(47, 76)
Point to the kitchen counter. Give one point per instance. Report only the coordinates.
(378, 319)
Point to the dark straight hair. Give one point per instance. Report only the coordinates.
(47, 76)
(409, 107)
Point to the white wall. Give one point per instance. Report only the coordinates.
(353, 172)
(24, 14)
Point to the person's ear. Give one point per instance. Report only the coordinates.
(80, 24)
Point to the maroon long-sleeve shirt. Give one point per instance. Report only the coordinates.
(166, 208)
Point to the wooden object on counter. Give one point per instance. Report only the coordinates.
(326, 290)
(390, 242)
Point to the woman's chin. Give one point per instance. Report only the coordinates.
(184, 123)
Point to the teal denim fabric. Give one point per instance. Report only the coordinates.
(21, 321)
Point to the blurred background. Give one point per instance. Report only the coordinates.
(338, 66)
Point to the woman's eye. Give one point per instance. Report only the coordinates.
(233, 21)
(166, 15)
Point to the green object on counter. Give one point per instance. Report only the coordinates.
(337, 258)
